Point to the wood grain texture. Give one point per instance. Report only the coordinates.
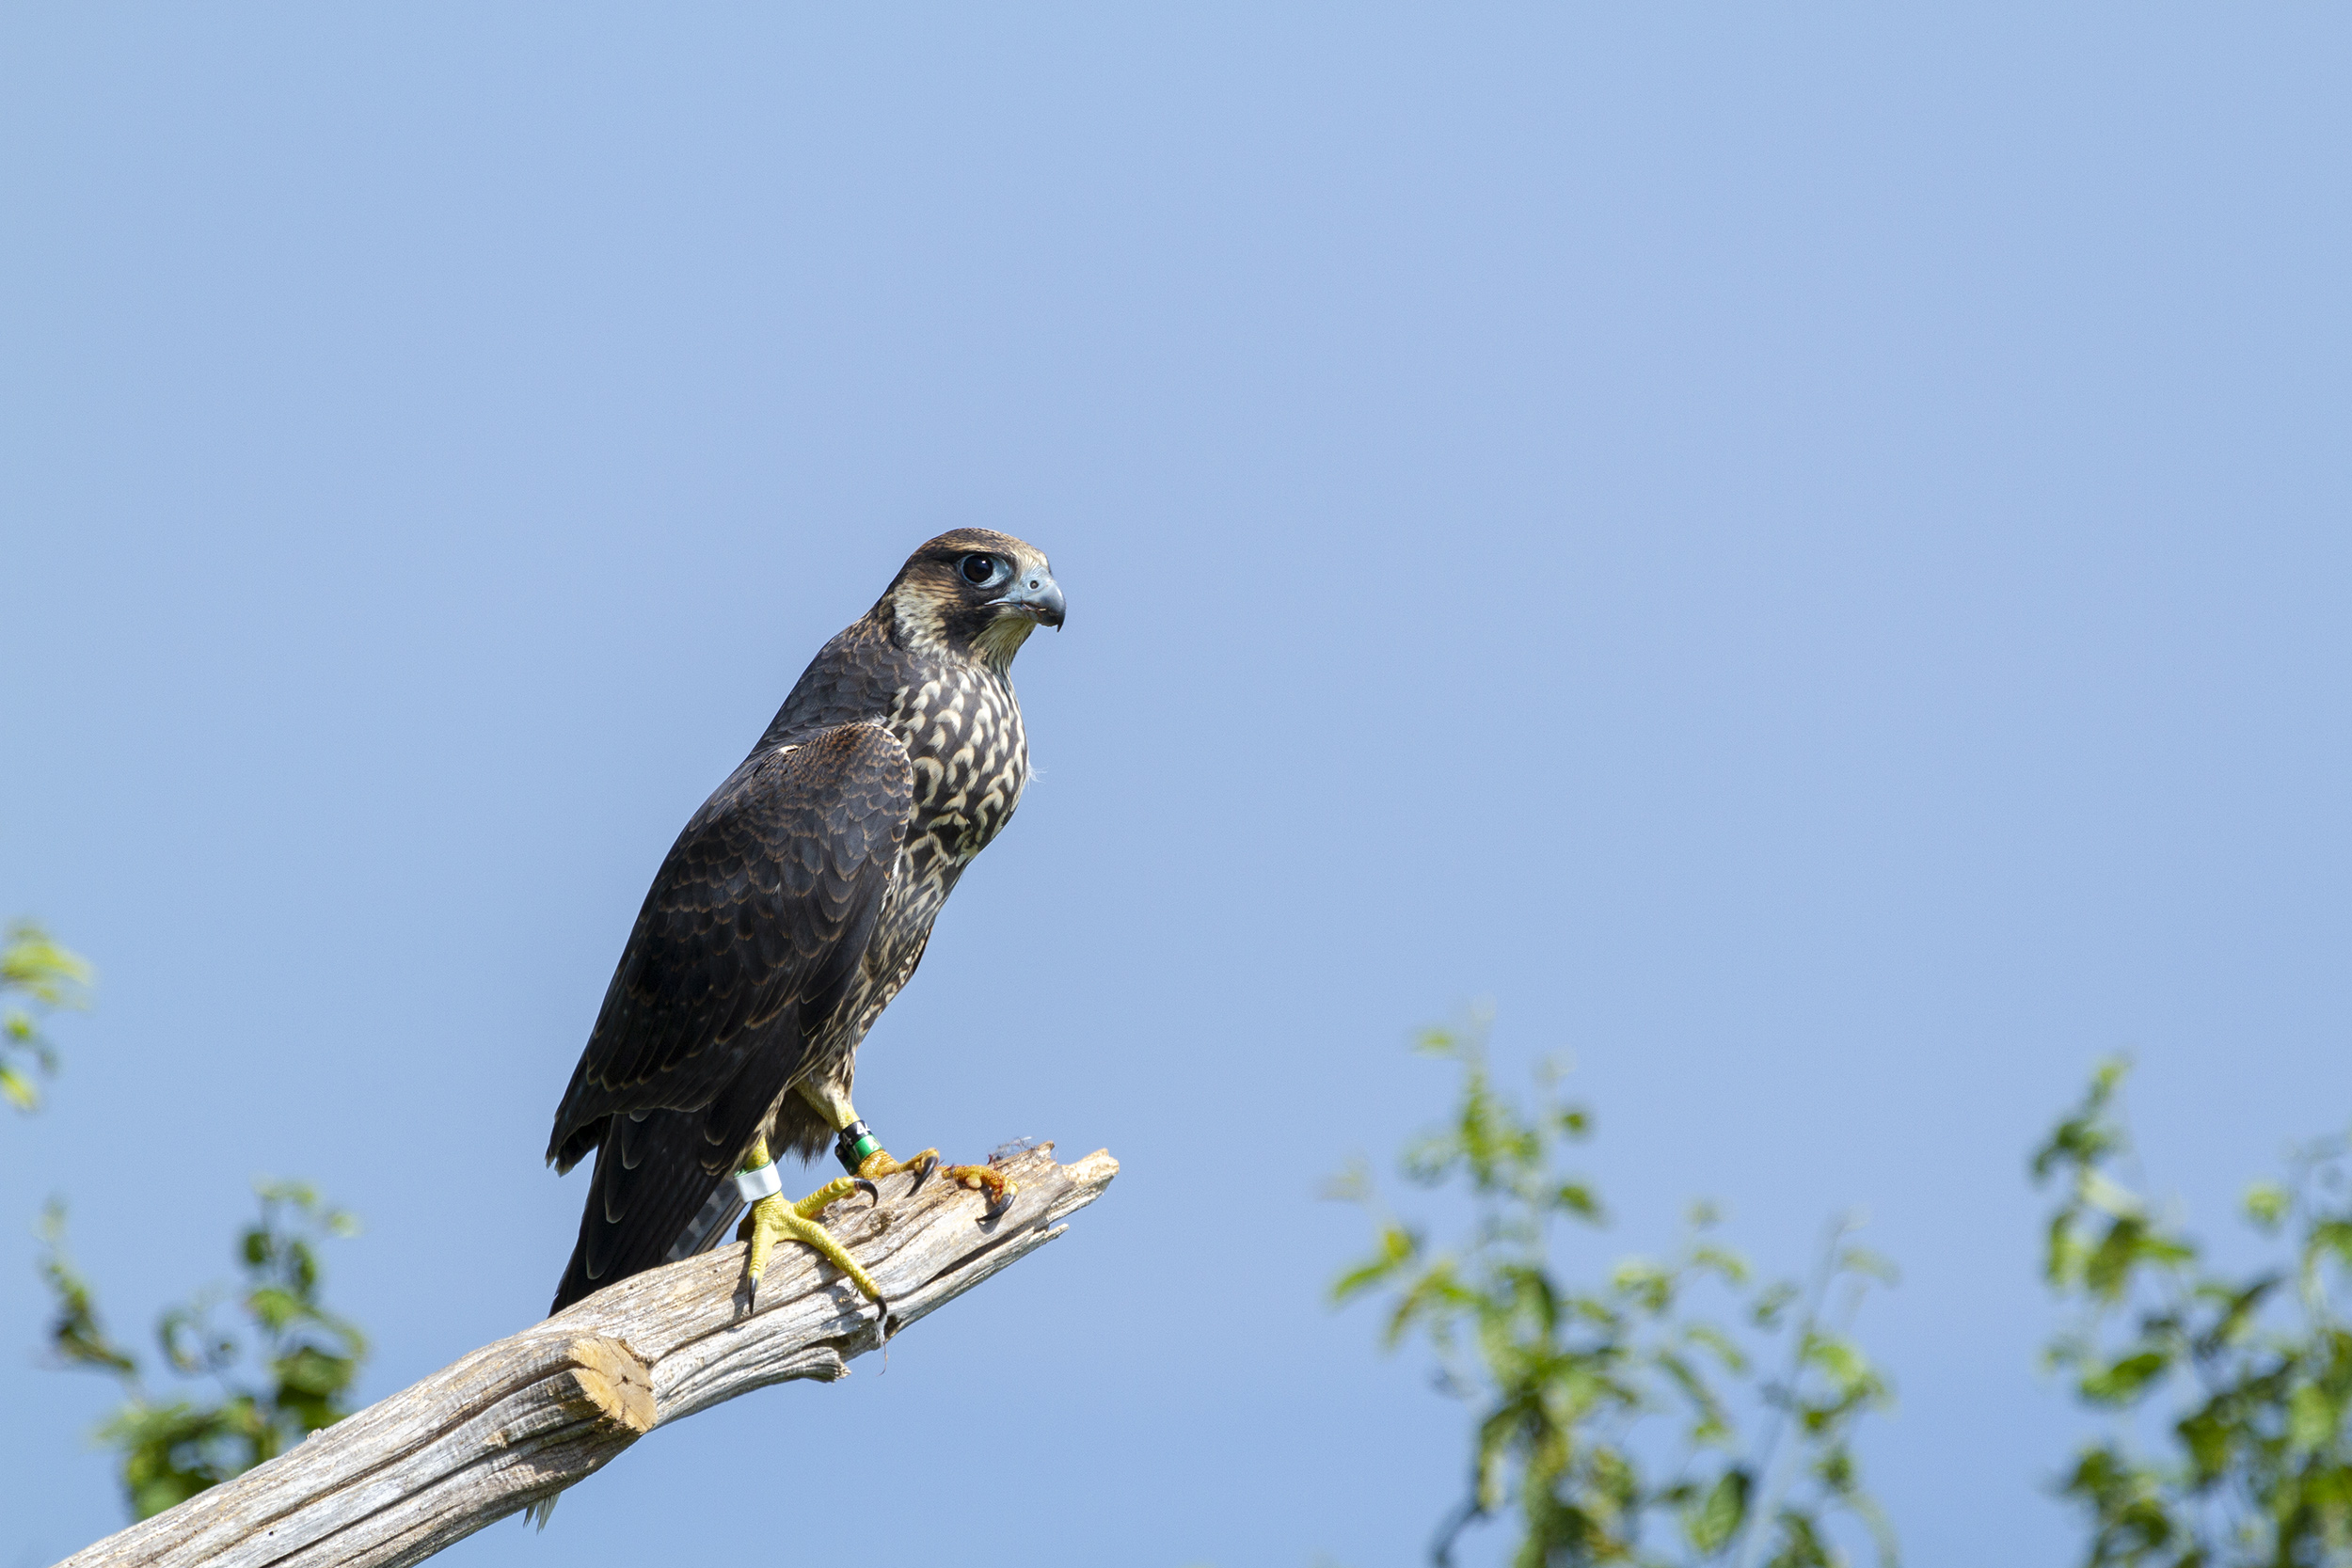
(517, 1421)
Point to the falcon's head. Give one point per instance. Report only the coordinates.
(978, 593)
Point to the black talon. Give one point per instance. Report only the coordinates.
(868, 1189)
(1000, 1202)
(922, 1174)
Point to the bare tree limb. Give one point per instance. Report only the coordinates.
(517, 1421)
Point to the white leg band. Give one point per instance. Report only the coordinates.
(756, 1185)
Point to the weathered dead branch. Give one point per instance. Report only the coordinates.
(519, 1420)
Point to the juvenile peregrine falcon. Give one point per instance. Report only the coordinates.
(789, 913)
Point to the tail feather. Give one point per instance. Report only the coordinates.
(650, 1186)
(709, 1224)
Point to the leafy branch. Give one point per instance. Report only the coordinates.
(37, 977)
(2249, 1377)
(1610, 1413)
(226, 1419)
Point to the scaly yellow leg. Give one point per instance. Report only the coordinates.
(772, 1220)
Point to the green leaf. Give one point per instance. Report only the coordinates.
(2088, 1137)
(48, 976)
(2313, 1418)
(1770, 1303)
(274, 1308)
(1398, 1247)
(2332, 1236)
(1726, 1350)
(1644, 1282)
(1578, 1200)
(2121, 1381)
(32, 963)
(1875, 1265)
(1723, 1262)
(1437, 1042)
(1798, 1542)
(1715, 1521)
(75, 1335)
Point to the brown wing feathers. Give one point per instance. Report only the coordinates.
(751, 932)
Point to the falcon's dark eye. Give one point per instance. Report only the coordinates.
(981, 570)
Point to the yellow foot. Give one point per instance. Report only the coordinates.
(999, 1187)
(772, 1220)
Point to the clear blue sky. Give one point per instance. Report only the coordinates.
(1805, 556)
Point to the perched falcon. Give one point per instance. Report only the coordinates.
(787, 914)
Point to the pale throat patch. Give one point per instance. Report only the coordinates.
(1002, 638)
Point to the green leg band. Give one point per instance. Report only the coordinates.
(855, 1146)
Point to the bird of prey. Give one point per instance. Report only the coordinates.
(790, 912)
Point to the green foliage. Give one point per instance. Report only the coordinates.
(1610, 1413)
(226, 1421)
(2250, 1375)
(36, 976)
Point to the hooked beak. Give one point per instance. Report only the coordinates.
(1036, 595)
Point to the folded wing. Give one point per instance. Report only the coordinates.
(749, 939)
